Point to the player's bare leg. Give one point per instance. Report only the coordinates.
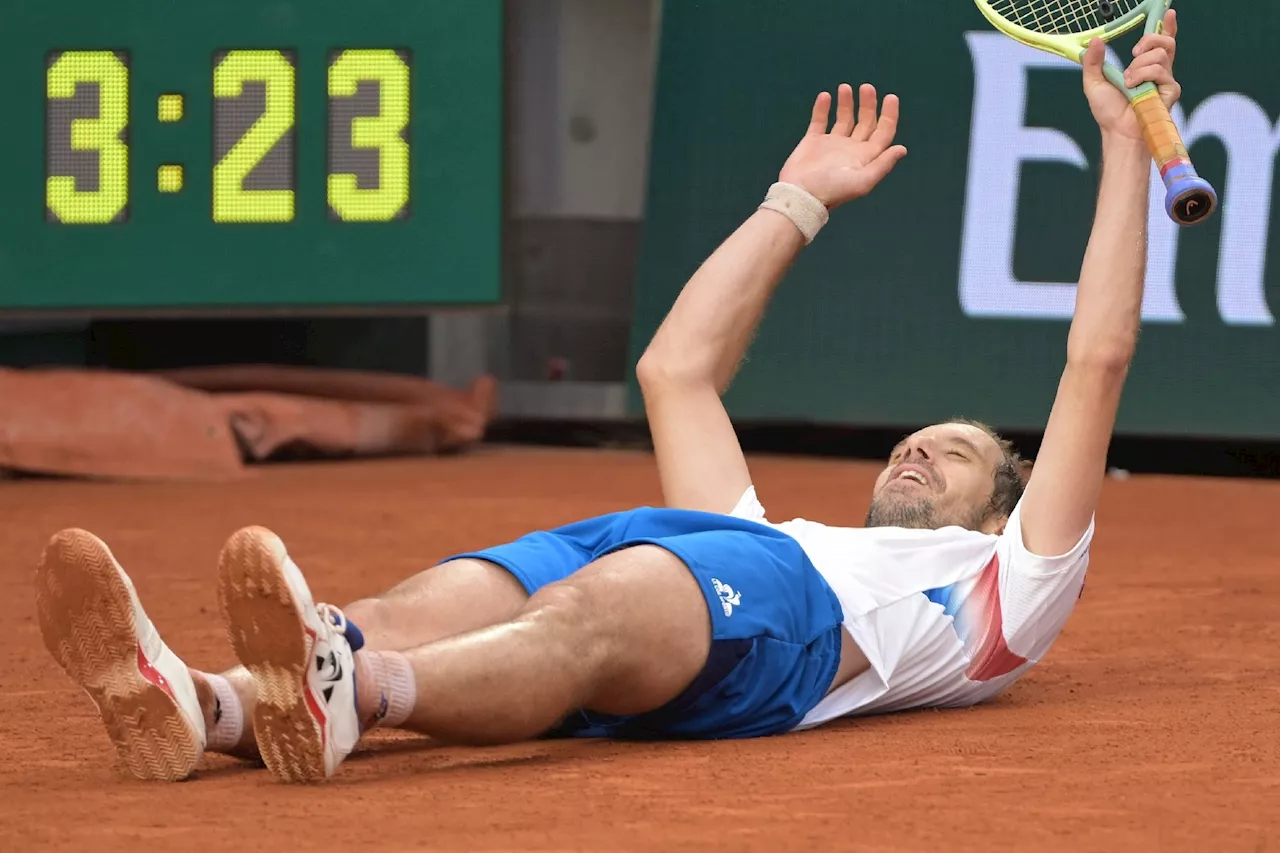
(449, 599)
(443, 601)
(625, 635)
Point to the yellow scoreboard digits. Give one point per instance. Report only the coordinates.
(254, 136)
(232, 202)
(383, 132)
(101, 134)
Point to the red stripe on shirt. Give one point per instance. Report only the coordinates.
(991, 658)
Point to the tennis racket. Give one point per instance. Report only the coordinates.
(1066, 27)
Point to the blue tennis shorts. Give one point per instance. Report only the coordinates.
(775, 623)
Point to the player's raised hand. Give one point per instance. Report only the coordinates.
(847, 161)
(1152, 63)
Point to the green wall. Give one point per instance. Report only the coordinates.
(949, 290)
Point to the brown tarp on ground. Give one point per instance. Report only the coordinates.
(206, 423)
(343, 412)
(100, 424)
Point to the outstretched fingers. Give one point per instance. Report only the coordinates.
(821, 114)
(844, 111)
(867, 121)
(886, 128)
(872, 122)
(879, 168)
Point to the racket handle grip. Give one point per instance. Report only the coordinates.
(1189, 199)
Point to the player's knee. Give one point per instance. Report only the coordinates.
(369, 615)
(562, 606)
(569, 623)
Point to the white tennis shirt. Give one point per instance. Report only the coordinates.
(946, 618)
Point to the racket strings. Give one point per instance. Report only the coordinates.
(1059, 17)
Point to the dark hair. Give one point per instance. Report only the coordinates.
(1010, 475)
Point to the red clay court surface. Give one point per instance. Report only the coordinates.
(1153, 724)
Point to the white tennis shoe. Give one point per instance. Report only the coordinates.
(95, 628)
(299, 655)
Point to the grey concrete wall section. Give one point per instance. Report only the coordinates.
(580, 81)
(573, 318)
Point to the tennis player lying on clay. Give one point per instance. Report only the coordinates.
(699, 620)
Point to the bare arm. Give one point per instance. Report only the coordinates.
(694, 356)
(1063, 492)
(698, 348)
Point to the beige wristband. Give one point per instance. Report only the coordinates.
(797, 204)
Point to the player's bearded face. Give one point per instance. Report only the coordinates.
(941, 476)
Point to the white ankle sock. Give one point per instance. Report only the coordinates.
(228, 716)
(392, 676)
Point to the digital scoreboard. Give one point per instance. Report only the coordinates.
(245, 154)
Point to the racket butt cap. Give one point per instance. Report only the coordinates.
(1190, 199)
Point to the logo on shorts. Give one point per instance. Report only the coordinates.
(728, 598)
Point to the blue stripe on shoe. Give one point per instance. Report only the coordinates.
(355, 637)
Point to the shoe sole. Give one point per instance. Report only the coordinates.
(271, 640)
(87, 621)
